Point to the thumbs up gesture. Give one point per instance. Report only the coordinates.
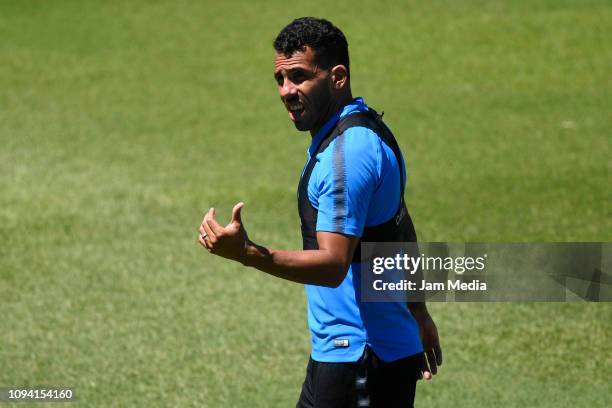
(229, 241)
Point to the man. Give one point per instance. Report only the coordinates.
(351, 189)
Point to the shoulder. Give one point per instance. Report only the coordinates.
(352, 159)
(355, 143)
(361, 149)
(361, 139)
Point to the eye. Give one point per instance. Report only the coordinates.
(298, 77)
(278, 79)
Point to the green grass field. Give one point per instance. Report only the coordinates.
(121, 124)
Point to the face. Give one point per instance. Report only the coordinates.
(305, 89)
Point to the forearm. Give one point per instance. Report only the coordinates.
(314, 267)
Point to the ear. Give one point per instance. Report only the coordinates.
(339, 76)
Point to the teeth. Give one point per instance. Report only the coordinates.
(295, 107)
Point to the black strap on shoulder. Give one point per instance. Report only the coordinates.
(397, 229)
(371, 120)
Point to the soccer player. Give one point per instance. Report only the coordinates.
(364, 354)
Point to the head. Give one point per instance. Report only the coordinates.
(311, 68)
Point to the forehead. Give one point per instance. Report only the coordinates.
(299, 59)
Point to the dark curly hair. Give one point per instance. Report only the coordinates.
(326, 40)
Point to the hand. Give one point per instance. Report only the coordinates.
(432, 353)
(229, 241)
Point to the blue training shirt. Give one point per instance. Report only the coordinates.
(355, 183)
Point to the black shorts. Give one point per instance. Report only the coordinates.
(369, 382)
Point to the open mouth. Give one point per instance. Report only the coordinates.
(295, 110)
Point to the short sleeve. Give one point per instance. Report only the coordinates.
(346, 181)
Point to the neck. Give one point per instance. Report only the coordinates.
(334, 107)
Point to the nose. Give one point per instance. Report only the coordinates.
(287, 90)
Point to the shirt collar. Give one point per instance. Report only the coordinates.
(356, 105)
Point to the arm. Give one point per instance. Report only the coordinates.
(326, 266)
(432, 352)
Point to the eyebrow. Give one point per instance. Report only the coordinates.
(289, 71)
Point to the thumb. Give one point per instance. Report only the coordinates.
(236, 213)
